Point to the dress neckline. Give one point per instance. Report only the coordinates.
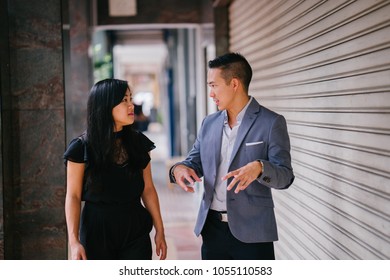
(118, 134)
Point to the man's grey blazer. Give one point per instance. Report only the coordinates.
(262, 135)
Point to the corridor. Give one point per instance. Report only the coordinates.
(178, 208)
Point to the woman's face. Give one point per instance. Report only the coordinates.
(123, 113)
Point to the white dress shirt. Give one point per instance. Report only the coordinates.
(229, 136)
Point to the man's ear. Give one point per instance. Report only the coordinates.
(235, 83)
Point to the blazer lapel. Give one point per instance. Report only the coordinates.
(249, 118)
(215, 144)
(217, 129)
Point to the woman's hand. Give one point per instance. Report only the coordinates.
(161, 245)
(77, 251)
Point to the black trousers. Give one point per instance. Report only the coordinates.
(220, 244)
(116, 232)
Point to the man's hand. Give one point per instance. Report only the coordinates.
(243, 176)
(185, 177)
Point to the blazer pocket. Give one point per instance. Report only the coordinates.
(253, 143)
(261, 201)
(256, 150)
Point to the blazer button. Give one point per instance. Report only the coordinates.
(267, 179)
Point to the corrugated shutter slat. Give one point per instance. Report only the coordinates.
(325, 65)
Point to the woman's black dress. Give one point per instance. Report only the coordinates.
(114, 223)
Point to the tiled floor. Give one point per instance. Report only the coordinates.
(178, 208)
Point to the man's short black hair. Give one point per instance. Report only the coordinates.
(233, 65)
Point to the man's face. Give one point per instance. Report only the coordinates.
(221, 93)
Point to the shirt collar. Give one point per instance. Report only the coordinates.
(240, 115)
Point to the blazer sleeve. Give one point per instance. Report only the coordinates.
(193, 159)
(278, 172)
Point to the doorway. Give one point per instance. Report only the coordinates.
(165, 68)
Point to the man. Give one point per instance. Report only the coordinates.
(242, 152)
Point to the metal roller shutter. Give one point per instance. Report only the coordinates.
(325, 65)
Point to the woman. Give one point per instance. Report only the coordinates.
(109, 168)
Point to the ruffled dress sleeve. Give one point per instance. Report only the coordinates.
(146, 142)
(76, 151)
(147, 145)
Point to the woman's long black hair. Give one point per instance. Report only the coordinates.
(103, 97)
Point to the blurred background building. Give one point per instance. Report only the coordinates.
(324, 65)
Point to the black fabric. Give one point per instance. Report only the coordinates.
(119, 183)
(220, 244)
(114, 223)
(116, 231)
(76, 151)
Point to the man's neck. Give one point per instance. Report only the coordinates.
(236, 109)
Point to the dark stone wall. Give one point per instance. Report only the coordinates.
(79, 68)
(33, 130)
(43, 54)
(157, 11)
(5, 112)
